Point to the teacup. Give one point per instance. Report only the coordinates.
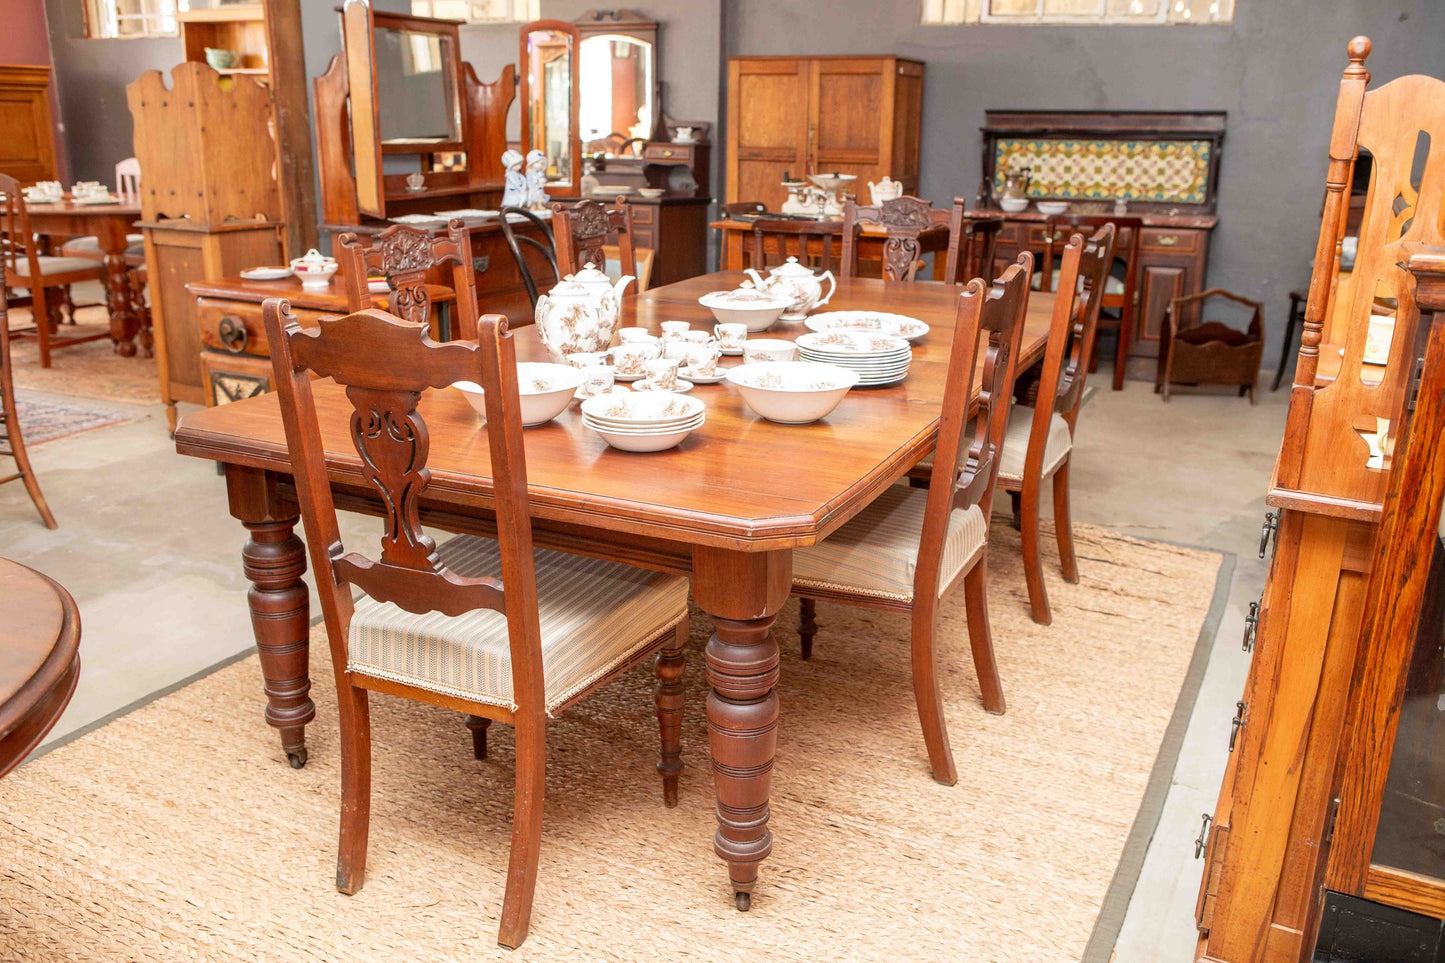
(662, 374)
(769, 349)
(415, 182)
(596, 380)
(632, 334)
(631, 357)
(731, 335)
(675, 330)
(587, 359)
(701, 359)
(698, 337)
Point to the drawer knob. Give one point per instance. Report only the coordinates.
(232, 331)
(1167, 240)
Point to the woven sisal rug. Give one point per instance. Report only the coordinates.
(178, 833)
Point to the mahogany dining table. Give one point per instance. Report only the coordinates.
(39, 658)
(110, 223)
(726, 507)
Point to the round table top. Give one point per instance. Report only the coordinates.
(39, 658)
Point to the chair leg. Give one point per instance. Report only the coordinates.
(1289, 326)
(669, 667)
(807, 626)
(40, 309)
(355, 720)
(1015, 499)
(1033, 565)
(980, 639)
(68, 302)
(930, 700)
(479, 726)
(13, 436)
(526, 850)
(1064, 526)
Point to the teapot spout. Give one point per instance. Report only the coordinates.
(757, 279)
(622, 283)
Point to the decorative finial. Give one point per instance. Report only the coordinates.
(1358, 49)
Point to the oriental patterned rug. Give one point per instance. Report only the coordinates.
(91, 370)
(178, 832)
(45, 419)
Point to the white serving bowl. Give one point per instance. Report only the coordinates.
(545, 390)
(757, 309)
(1013, 204)
(1051, 208)
(792, 392)
(642, 410)
(314, 274)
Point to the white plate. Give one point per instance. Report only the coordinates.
(465, 212)
(683, 387)
(853, 344)
(266, 273)
(897, 325)
(419, 219)
(378, 286)
(718, 375)
(95, 201)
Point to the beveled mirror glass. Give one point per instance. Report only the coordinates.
(618, 85)
(549, 66)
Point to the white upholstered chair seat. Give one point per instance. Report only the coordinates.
(876, 553)
(57, 265)
(1016, 443)
(595, 616)
(89, 246)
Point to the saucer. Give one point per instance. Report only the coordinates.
(620, 376)
(718, 375)
(683, 387)
(732, 352)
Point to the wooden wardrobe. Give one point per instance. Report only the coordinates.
(816, 115)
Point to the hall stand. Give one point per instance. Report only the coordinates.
(1297, 848)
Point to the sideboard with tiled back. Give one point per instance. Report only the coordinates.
(1165, 166)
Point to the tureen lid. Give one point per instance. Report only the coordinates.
(590, 275)
(313, 256)
(792, 269)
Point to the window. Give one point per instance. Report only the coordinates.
(1077, 11)
(479, 11)
(132, 18)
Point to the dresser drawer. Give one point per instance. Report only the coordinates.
(644, 213)
(235, 327)
(679, 153)
(1167, 241)
(644, 239)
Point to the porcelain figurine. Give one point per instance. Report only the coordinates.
(579, 313)
(514, 186)
(800, 286)
(537, 180)
(885, 190)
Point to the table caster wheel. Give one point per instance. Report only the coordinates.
(744, 901)
(297, 757)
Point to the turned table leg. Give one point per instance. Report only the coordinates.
(123, 321)
(742, 594)
(274, 560)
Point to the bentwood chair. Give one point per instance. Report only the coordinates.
(45, 277)
(11, 441)
(488, 627)
(585, 228)
(811, 242)
(910, 546)
(405, 256)
(1039, 440)
(542, 242)
(1120, 295)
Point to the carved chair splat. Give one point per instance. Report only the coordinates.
(582, 231)
(406, 256)
(905, 219)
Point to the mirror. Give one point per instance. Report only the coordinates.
(618, 86)
(550, 98)
(416, 87)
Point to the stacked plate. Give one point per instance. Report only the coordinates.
(878, 359)
(643, 421)
(869, 322)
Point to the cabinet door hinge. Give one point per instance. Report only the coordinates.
(1329, 833)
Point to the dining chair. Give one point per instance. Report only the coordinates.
(405, 256)
(641, 268)
(44, 276)
(905, 219)
(127, 183)
(972, 241)
(1039, 439)
(910, 546)
(1119, 294)
(582, 229)
(492, 628)
(543, 243)
(12, 442)
(811, 242)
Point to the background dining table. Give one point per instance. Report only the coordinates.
(110, 223)
(726, 507)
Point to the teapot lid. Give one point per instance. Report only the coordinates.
(569, 287)
(792, 269)
(590, 275)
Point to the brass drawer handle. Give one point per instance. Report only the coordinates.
(233, 335)
(1167, 240)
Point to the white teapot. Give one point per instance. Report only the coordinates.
(578, 314)
(885, 190)
(800, 286)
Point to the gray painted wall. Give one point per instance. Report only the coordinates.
(1275, 70)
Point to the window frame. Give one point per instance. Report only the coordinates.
(100, 15)
(936, 13)
(522, 11)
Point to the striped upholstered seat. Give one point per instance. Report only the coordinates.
(1016, 444)
(595, 616)
(876, 553)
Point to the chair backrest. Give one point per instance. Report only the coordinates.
(1060, 227)
(583, 228)
(16, 241)
(995, 314)
(405, 256)
(127, 177)
(641, 269)
(971, 243)
(391, 439)
(1072, 329)
(777, 239)
(905, 219)
(546, 245)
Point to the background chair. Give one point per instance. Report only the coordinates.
(905, 219)
(43, 276)
(405, 256)
(584, 228)
(1193, 351)
(907, 548)
(1039, 440)
(971, 244)
(437, 624)
(777, 239)
(1120, 294)
(544, 245)
(127, 182)
(11, 441)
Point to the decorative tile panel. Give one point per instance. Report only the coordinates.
(1162, 171)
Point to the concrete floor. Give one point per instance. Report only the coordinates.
(151, 555)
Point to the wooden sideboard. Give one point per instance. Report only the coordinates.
(27, 136)
(810, 115)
